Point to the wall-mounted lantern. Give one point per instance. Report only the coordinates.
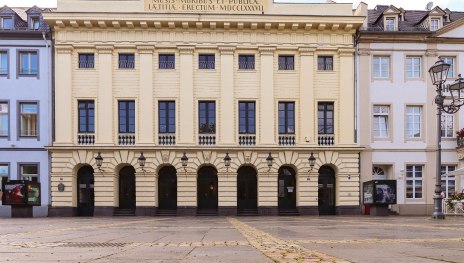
(270, 161)
(184, 161)
(312, 162)
(141, 160)
(99, 160)
(227, 160)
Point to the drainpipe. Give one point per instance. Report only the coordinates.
(50, 118)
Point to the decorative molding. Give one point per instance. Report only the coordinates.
(105, 49)
(431, 53)
(266, 50)
(64, 49)
(186, 50)
(346, 52)
(145, 49)
(226, 50)
(364, 52)
(306, 51)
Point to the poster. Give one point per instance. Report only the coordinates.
(15, 193)
(33, 193)
(379, 192)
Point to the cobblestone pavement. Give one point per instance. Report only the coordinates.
(235, 239)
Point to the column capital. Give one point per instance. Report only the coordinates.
(266, 50)
(364, 52)
(186, 50)
(226, 50)
(306, 51)
(346, 52)
(64, 49)
(105, 49)
(145, 49)
(431, 53)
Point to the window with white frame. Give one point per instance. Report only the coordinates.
(447, 125)
(448, 183)
(413, 121)
(4, 119)
(28, 63)
(28, 119)
(390, 24)
(381, 113)
(434, 24)
(29, 172)
(381, 66)
(413, 67)
(4, 171)
(35, 23)
(3, 62)
(414, 181)
(6, 22)
(449, 60)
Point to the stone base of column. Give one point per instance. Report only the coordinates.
(308, 210)
(103, 211)
(227, 210)
(145, 210)
(186, 210)
(268, 211)
(348, 210)
(62, 211)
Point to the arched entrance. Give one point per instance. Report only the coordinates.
(167, 188)
(247, 190)
(326, 195)
(286, 189)
(207, 189)
(127, 188)
(85, 191)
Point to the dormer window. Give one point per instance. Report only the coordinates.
(6, 22)
(390, 24)
(35, 23)
(434, 24)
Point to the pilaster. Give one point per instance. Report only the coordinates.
(63, 96)
(186, 99)
(345, 128)
(226, 127)
(306, 105)
(267, 185)
(146, 100)
(227, 186)
(186, 189)
(104, 127)
(267, 131)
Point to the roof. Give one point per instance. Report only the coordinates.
(20, 17)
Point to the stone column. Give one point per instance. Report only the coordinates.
(227, 195)
(186, 192)
(345, 128)
(267, 127)
(146, 101)
(106, 192)
(186, 105)
(63, 97)
(104, 113)
(307, 117)
(267, 192)
(146, 194)
(226, 126)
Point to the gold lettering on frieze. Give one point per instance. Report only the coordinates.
(207, 6)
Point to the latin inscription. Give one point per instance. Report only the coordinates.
(209, 6)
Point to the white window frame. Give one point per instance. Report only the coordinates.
(411, 176)
(2, 22)
(27, 176)
(445, 180)
(413, 67)
(5, 71)
(447, 125)
(434, 27)
(29, 71)
(383, 64)
(5, 111)
(451, 61)
(381, 112)
(388, 26)
(33, 20)
(416, 125)
(28, 134)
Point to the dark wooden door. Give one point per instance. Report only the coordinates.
(167, 188)
(286, 188)
(326, 191)
(207, 188)
(127, 188)
(85, 191)
(247, 188)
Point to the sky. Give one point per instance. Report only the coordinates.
(453, 5)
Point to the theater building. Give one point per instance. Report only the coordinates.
(204, 107)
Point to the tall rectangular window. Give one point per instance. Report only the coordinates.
(325, 117)
(6, 22)
(29, 172)
(86, 116)
(126, 61)
(167, 61)
(207, 117)
(246, 62)
(390, 24)
(246, 117)
(434, 24)
(414, 181)
(381, 66)
(447, 125)
(448, 182)
(167, 117)
(413, 121)
(286, 118)
(286, 62)
(4, 119)
(4, 172)
(206, 61)
(126, 116)
(450, 60)
(3, 63)
(325, 63)
(35, 23)
(413, 67)
(28, 63)
(28, 119)
(86, 60)
(381, 114)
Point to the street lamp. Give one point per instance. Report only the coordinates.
(99, 161)
(141, 160)
(312, 162)
(184, 161)
(438, 74)
(269, 161)
(227, 160)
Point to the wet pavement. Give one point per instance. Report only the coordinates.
(232, 239)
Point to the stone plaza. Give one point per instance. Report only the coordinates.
(232, 239)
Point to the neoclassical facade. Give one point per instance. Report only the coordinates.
(265, 84)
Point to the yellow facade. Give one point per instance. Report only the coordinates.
(129, 27)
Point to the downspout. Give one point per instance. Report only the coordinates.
(50, 114)
(356, 88)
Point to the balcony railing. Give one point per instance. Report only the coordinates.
(326, 140)
(286, 66)
(126, 64)
(287, 140)
(126, 139)
(166, 65)
(86, 64)
(246, 65)
(460, 141)
(85, 139)
(325, 66)
(247, 140)
(207, 65)
(167, 139)
(207, 140)
(456, 209)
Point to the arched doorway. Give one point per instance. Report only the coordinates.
(326, 191)
(207, 189)
(286, 189)
(167, 188)
(247, 190)
(127, 188)
(85, 191)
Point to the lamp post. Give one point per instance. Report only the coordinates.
(439, 73)
(269, 161)
(184, 160)
(141, 160)
(227, 160)
(99, 161)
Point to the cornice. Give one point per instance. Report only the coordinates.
(226, 50)
(64, 49)
(346, 52)
(105, 49)
(266, 50)
(145, 49)
(186, 50)
(307, 51)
